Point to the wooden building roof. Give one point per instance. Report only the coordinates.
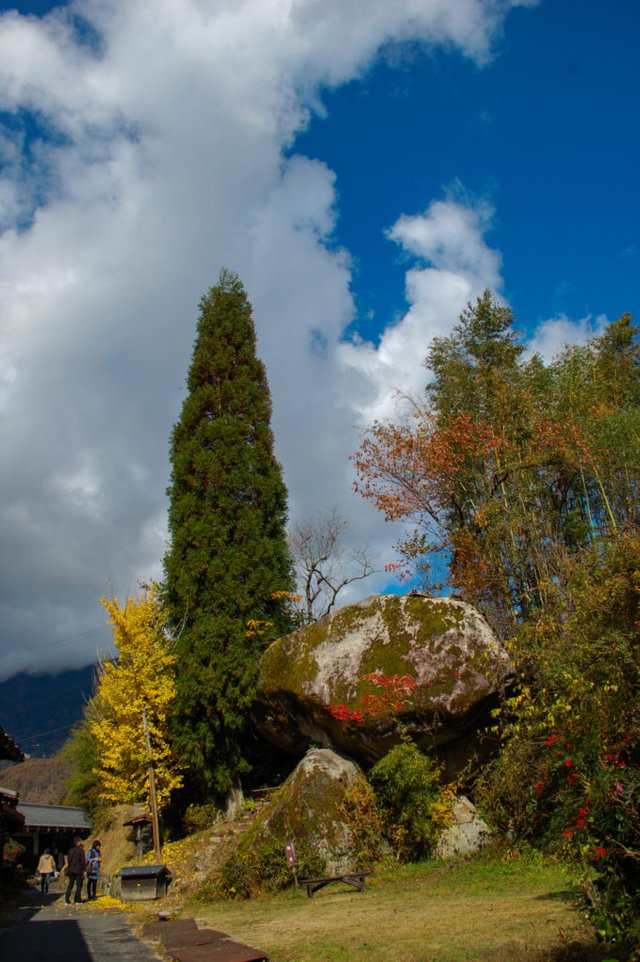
(8, 748)
(54, 817)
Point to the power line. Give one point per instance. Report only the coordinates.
(61, 643)
(52, 731)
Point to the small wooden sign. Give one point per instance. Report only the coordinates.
(290, 852)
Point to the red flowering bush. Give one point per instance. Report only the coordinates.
(568, 775)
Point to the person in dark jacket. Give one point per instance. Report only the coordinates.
(76, 865)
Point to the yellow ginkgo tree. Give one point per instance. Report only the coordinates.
(139, 683)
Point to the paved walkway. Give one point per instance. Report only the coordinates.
(44, 929)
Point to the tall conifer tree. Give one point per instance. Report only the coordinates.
(228, 558)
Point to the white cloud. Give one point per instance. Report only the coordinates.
(457, 266)
(163, 128)
(552, 336)
(448, 236)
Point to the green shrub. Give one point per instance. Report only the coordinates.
(262, 867)
(366, 822)
(407, 784)
(198, 817)
(14, 868)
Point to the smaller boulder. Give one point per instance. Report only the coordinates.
(306, 811)
(466, 834)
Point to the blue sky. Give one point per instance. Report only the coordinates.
(365, 175)
(548, 133)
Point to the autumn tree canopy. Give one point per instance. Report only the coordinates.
(508, 465)
(140, 680)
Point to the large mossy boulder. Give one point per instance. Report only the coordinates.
(444, 643)
(306, 810)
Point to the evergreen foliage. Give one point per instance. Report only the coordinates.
(81, 752)
(228, 570)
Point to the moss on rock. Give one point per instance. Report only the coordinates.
(444, 643)
(305, 810)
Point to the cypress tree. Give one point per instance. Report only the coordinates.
(228, 557)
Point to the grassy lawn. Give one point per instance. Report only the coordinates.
(467, 911)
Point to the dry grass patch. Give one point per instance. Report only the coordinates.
(475, 911)
(40, 780)
(118, 849)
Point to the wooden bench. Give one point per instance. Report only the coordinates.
(356, 879)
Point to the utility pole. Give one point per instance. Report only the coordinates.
(152, 789)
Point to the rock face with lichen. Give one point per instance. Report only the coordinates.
(467, 833)
(306, 810)
(445, 644)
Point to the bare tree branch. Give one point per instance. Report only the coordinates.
(323, 565)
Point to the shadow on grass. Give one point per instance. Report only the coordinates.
(566, 895)
(580, 951)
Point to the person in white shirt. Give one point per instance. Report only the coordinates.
(46, 867)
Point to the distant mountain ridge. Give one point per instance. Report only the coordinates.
(39, 780)
(39, 711)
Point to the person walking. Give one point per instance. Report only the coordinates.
(94, 858)
(46, 867)
(76, 866)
